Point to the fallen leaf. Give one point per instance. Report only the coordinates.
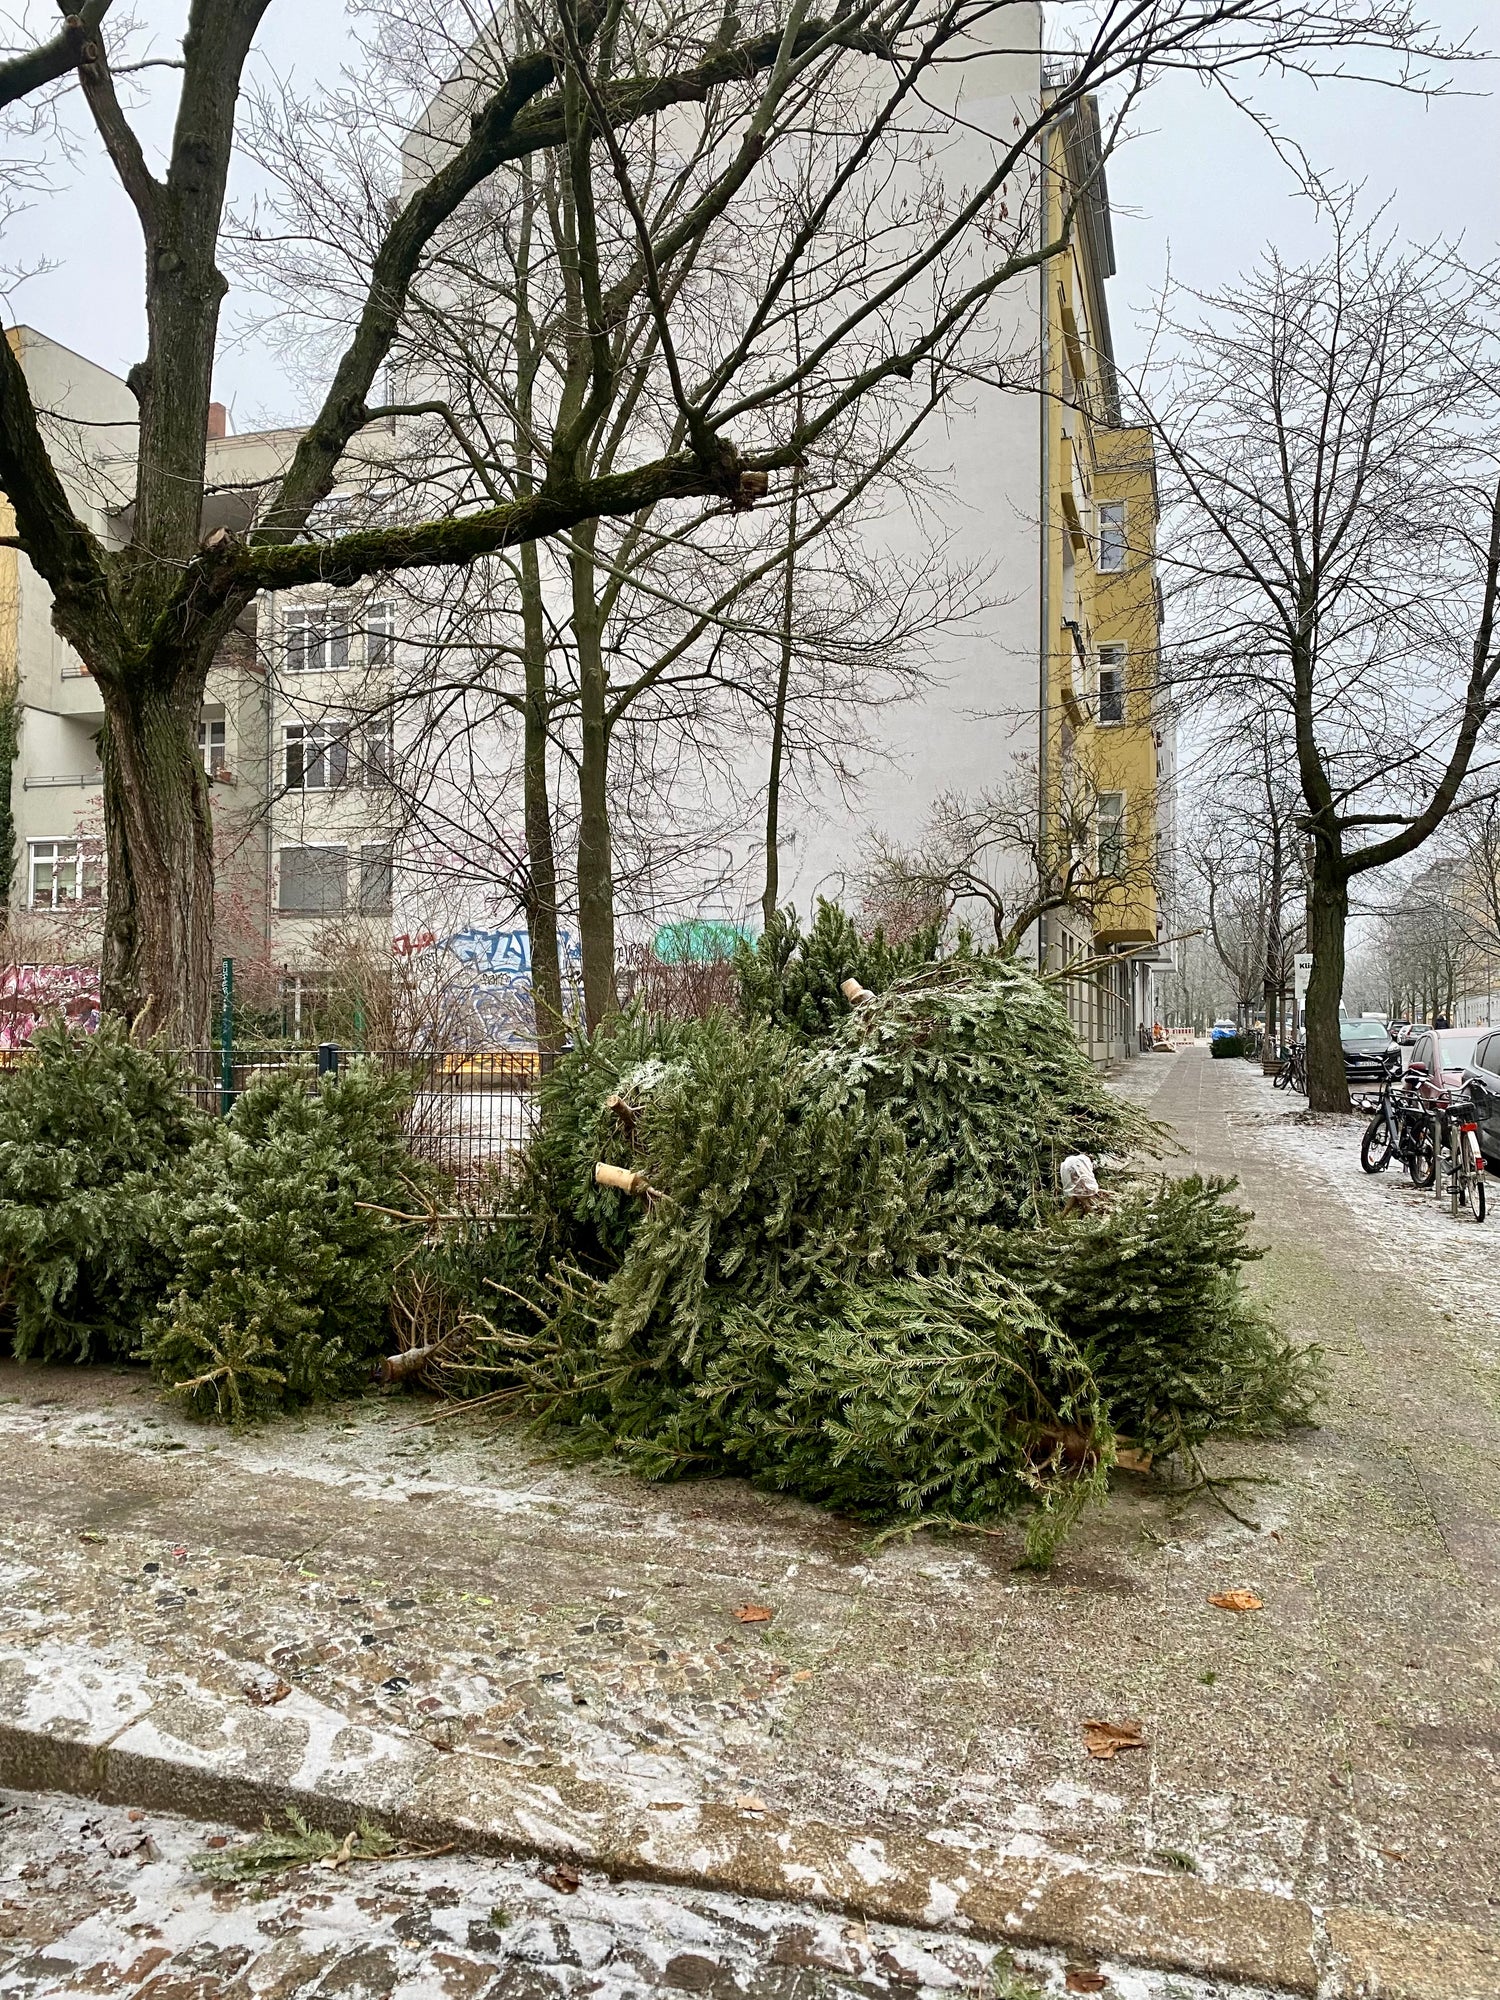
(266, 1694)
(803, 1674)
(135, 1814)
(217, 1840)
(1132, 1461)
(1392, 1853)
(1079, 1981)
(1236, 1600)
(750, 1803)
(91, 1535)
(754, 1614)
(562, 1878)
(1103, 1739)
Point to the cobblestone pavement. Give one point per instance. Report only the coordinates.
(102, 1901)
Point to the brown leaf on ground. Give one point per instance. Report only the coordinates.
(562, 1878)
(1236, 1600)
(750, 1803)
(1104, 1739)
(266, 1694)
(1129, 1460)
(754, 1614)
(1081, 1981)
(803, 1674)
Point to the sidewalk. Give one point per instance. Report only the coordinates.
(477, 1643)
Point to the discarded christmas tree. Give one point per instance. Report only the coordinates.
(829, 1254)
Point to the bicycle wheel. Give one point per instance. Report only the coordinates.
(1475, 1196)
(1421, 1158)
(1283, 1076)
(1375, 1149)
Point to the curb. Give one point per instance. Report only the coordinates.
(82, 1726)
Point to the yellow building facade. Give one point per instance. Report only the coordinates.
(1104, 774)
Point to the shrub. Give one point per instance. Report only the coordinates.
(283, 1268)
(88, 1126)
(1222, 1046)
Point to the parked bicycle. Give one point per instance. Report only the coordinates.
(1400, 1130)
(1292, 1071)
(1458, 1162)
(1253, 1040)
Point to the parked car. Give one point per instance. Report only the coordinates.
(1220, 1028)
(1482, 1076)
(1367, 1049)
(1439, 1058)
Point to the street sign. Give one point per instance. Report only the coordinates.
(1302, 974)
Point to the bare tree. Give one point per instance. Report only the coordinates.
(1332, 445)
(1244, 853)
(1019, 857)
(567, 76)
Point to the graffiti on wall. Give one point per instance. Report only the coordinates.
(31, 994)
(493, 1001)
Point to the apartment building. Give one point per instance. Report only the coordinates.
(1035, 483)
(300, 795)
(1103, 743)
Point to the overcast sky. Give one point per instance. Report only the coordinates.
(1198, 185)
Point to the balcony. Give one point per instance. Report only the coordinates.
(44, 782)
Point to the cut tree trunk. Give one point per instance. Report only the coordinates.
(1327, 921)
(157, 962)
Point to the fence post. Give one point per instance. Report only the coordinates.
(328, 1059)
(226, 1036)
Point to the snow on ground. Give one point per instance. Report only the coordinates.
(1453, 1261)
(94, 1899)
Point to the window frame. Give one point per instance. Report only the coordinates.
(324, 746)
(385, 899)
(326, 847)
(1114, 537)
(380, 626)
(207, 724)
(85, 859)
(1111, 659)
(315, 637)
(377, 763)
(1110, 851)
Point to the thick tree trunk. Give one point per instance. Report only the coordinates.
(159, 849)
(1327, 920)
(541, 854)
(596, 881)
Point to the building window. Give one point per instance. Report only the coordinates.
(1111, 536)
(375, 871)
(316, 756)
(379, 751)
(317, 638)
(211, 745)
(380, 634)
(1111, 683)
(313, 880)
(63, 872)
(1110, 814)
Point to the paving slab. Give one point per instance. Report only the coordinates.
(440, 1624)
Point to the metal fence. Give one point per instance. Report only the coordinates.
(470, 1110)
